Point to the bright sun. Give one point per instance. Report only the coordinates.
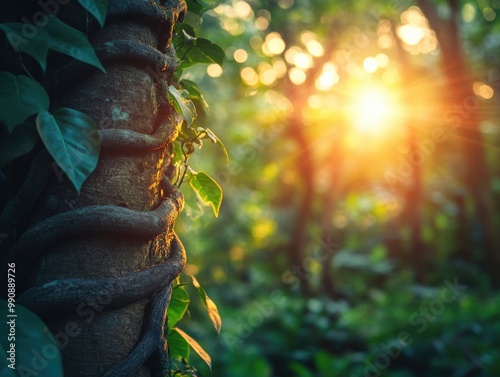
(374, 110)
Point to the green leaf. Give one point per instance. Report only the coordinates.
(181, 104)
(32, 338)
(177, 155)
(72, 42)
(54, 35)
(187, 134)
(192, 50)
(70, 138)
(20, 97)
(97, 8)
(37, 46)
(196, 347)
(178, 346)
(210, 306)
(19, 142)
(208, 190)
(194, 93)
(212, 136)
(199, 50)
(199, 7)
(184, 36)
(178, 306)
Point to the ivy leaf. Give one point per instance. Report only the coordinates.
(178, 306)
(188, 134)
(178, 347)
(54, 35)
(68, 135)
(201, 51)
(177, 155)
(184, 35)
(213, 137)
(194, 93)
(37, 46)
(199, 7)
(20, 97)
(32, 336)
(212, 310)
(208, 190)
(72, 42)
(182, 104)
(97, 8)
(196, 347)
(18, 143)
(192, 50)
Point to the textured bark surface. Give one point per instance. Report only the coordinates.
(100, 268)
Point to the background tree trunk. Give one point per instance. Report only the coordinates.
(464, 118)
(102, 261)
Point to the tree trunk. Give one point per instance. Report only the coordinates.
(101, 262)
(463, 119)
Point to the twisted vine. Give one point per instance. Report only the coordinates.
(61, 296)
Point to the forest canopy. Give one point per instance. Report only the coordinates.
(362, 184)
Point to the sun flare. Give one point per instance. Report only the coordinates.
(374, 110)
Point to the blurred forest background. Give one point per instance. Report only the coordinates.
(360, 229)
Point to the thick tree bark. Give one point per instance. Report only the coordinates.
(103, 260)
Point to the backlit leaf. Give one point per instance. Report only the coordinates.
(181, 104)
(210, 306)
(178, 306)
(196, 347)
(208, 190)
(178, 346)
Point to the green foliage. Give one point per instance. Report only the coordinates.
(98, 8)
(192, 50)
(182, 104)
(178, 346)
(215, 139)
(195, 94)
(179, 341)
(69, 136)
(208, 190)
(195, 346)
(199, 7)
(210, 306)
(20, 97)
(56, 36)
(33, 340)
(372, 273)
(186, 100)
(21, 141)
(178, 305)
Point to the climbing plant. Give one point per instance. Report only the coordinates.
(73, 141)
